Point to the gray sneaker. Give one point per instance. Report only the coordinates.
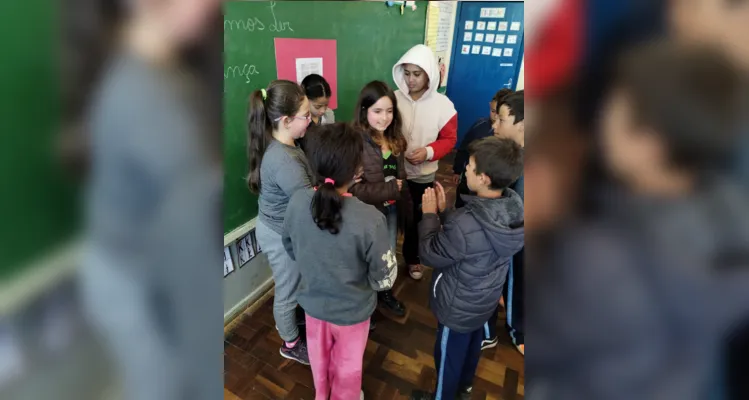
(297, 353)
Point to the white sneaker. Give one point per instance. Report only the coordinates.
(361, 396)
(416, 271)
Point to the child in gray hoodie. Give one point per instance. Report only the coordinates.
(348, 259)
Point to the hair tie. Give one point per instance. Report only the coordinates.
(264, 93)
(330, 181)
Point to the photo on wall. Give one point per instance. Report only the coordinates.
(255, 243)
(245, 250)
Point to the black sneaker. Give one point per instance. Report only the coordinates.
(372, 325)
(297, 353)
(390, 303)
(489, 343)
(422, 395)
(465, 394)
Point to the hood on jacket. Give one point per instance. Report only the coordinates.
(502, 220)
(422, 56)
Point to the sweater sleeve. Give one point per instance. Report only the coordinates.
(446, 139)
(382, 264)
(440, 246)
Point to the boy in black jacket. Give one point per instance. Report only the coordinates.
(484, 127)
(470, 254)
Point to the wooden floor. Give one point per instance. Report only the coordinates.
(398, 358)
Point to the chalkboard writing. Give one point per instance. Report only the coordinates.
(254, 23)
(245, 71)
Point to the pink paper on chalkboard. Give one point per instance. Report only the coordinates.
(288, 51)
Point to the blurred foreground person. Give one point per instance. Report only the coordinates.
(633, 304)
(150, 282)
(723, 24)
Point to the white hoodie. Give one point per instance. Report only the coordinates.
(431, 121)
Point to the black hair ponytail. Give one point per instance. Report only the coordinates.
(267, 106)
(335, 154)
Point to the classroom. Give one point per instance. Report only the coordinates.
(477, 50)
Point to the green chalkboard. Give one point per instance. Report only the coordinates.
(370, 36)
(37, 207)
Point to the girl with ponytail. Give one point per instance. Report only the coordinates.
(279, 115)
(348, 259)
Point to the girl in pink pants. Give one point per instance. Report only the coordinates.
(344, 259)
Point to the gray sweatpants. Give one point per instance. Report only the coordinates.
(286, 277)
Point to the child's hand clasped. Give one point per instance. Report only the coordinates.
(429, 202)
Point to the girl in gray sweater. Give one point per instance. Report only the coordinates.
(348, 259)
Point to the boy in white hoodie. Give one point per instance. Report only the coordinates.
(430, 124)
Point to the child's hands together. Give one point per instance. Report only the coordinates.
(433, 199)
(429, 202)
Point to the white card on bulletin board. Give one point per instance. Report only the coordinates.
(512, 39)
(467, 37)
(476, 49)
(479, 37)
(481, 25)
(489, 38)
(486, 50)
(491, 26)
(465, 49)
(502, 26)
(515, 26)
(228, 262)
(507, 52)
(497, 52)
(499, 39)
(469, 25)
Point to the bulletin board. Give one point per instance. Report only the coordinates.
(439, 33)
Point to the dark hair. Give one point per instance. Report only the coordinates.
(500, 159)
(315, 86)
(334, 153)
(501, 94)
(369, 95)
(283, 98)
(516, 103)
(690, 96)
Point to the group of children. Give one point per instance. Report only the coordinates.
(333, 198)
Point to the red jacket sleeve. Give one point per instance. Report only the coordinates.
(446, 139)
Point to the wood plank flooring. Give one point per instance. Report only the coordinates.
(397, 360)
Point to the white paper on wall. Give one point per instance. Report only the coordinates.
(476, 49)
(489, 38)
(308, 66)
(467, 37)
(512, 39)
(507, 52)
(228, 262)
(469, 25)
(486, 50)
(502, 26)
(497, 52)
(466, 49)
(479, 37)
(499, 39)
(491, 26)
(515, 26)
(480, 26)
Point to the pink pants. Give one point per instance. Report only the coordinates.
(336, 355)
